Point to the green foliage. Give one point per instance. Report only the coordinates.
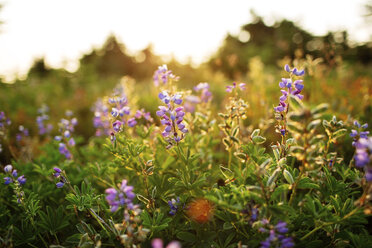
(215, 188)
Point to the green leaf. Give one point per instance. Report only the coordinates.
(278, 190)
(306, 183)
(273, 178)
(186, 236)
(255, 133)
(227, 226)
(320, 108)
(235, 131)
(339, 133)
(312, 125)
(287, 175)
(258, 140)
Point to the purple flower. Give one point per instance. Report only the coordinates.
(101, 119)
(60, 184)
(282, 132)
(295, 71)
(117, 125)
(172, 117)
(71, 142)
(8, 180)
(64, 151)
(123, 197)
(57, 171)
(158, 243)
(234, 85)
(174, 204)
(276, 236)
(369, 175)
(21, 180)
(163, 75)
(14, 173)
(281, 227)
(8, 168)
(132, 122)
(362, 156)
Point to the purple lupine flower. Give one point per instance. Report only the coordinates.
(294, 71)
(23, 132)
(8, 168)
(254, 214)
(3, 123)
(358, 132)
(117, 125)
(57, 172)
(143, 114)
(158, 243)
(132, 122)
(369, 175)
(60, 184)
(71, 142)
(14, 173)
(174, 205)
(281, 227)
(289, 88)
(8, 180)
(276, 236)
(206, 95)
(172, 117)
(64, 150)
(163, 75)
(122, 197)
(101, 119)
(234, 85)
(21, 180)
(41, 119)
(66, 128)
(363, 154)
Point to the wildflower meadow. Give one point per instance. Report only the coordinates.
(196, 169)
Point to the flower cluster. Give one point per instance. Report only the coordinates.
(121, 197)
(358, 133)
(120, 111)
(158, 243)
(143, 114)
(163, 75)
(174, 205)
(276, 233)
(363, 156)
(41, 119)
(231, 88)
(192, 100)
(23, 132)
(101, 120)
(58, 174)
(252, 211)
(3, 123)
(12, 174)
(66, 128)
(172, 116)
(290, 88)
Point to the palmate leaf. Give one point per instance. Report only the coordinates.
(52, 220)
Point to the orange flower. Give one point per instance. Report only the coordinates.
(200, 210)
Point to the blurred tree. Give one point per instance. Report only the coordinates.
(282, 39)
(39, 69)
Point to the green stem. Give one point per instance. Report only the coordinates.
(230, 158)
(294, 191)
(329, 223)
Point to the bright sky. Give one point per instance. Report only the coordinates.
(63, 30)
